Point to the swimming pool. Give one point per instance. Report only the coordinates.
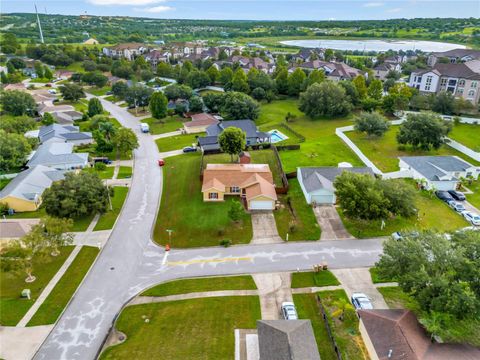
(277, 136)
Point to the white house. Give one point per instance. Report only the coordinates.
(317, 182)
(438, 172)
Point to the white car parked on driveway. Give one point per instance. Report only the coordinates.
(288, 311)
(458, 207)
(361, 301)
(471, 217)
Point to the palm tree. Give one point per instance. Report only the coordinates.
(107, 129)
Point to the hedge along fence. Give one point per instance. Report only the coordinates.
(284, 189)
(327, 326)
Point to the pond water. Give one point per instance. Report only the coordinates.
(374, 45)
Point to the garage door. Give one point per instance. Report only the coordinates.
(261, 205)
(323, 199)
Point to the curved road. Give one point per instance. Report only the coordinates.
(130, 262)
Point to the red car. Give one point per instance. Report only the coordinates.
(161, 162)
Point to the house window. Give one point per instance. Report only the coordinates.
(460, 91)
(213, 196)
(443, 82)
(235, 190)
(429, 80)
(461, 82)
(427, 87)
(473, 84)
(471, 93)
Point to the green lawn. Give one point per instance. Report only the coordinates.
(177, 142)
(81, 105)
(4, 182)
(107, 220)
(189, 329)
(202, 284)
(103, 174)
(474, 198)
(467, 134)
(313, 279)
(346, 333)
(296, 217)
(384, 153)
(168, 124)
(80, 224)
(377, 278)
(292, 138)
(460, 331)
(307, 308)
(194, 222)
(98, 91)
(125, 172)
(321, 147)
(110, 98)
(433, 214)
(61, 294)
(12, 307)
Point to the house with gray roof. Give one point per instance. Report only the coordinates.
(438, 172)
(286, 340)
(64, 134)
(59, 156)
(24, 192)
(317, 182)
(254, 137)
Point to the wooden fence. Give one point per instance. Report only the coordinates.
(327, 326)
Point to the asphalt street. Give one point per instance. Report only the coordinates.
(130, 262)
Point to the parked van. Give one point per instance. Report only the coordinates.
(144, 127)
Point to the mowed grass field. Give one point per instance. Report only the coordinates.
(384, 153)
(193, 221)
(200, 329)
(467, 134)
(321, 147)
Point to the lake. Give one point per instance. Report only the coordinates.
(374, 45)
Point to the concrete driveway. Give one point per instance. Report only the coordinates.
(359, 280)
(264, 228)
(273, 289)
(330, 223)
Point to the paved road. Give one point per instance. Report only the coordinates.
(130, 262)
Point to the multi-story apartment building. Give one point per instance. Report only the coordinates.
(128, 51)
(462, 80)
(454, 56)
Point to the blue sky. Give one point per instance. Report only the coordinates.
(254, 9)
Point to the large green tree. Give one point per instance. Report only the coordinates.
(375, 89)
(325, 99)
(424, 131)
(72, 92)
(232, 141)
(238, 106)
(94, 107)
(17, 102)
(174, 92)
(281, 81)
(17, 124)
(158, 105)
(240, 81)
(14, 149)
(361, 86)
(296, 82)
(75, 196)
(125, 141)
(373, 124)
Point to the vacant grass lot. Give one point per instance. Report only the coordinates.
(165, 125)
(474, 198)
(307, 308)
(321, 147)
(125, 172)
(460, 331)
(377, 278)
(194, 222)
(467, 134)
(177, 142)
(189, 329)
(202, 284)
(298, 213)
(384, 153)
(61, 294)
(312, 279)
(12, 306)
(346, 333)
(107, 220)
(433, 214)
(103, 174)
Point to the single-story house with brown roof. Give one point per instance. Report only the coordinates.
(397, 335)
(252, 182)
(199, 123)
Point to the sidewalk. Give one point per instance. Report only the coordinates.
(18, 343)
(196, 295)
(165, 135)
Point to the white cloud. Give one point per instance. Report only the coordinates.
(394, 10)
(125, 2)
(155, 9)
(373, 4)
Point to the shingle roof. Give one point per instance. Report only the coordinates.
(201, 119)
(31, 183)
(246, 125)
(55, 154)
(458, 53)
(316, 178)
(456, 70)
(286, 340)
(67, 132)
(435, 167)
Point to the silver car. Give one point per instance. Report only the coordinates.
(471, 217)
(456, 206)
(288, 311)
(361, 301)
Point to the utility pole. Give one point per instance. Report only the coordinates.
(39, 26)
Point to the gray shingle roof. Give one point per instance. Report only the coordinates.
(316, 178)
(246, 125)
(57, 154)
(286, 340)
(435, 167)
(31, 183)
(67, 132)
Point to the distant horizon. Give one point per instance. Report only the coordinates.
(251, 10)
